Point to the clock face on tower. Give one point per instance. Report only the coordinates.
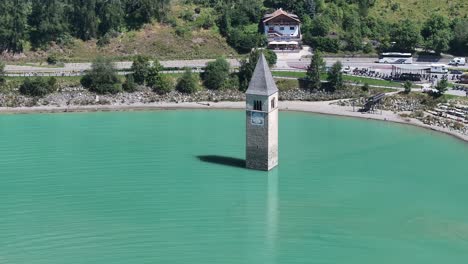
(257, 119)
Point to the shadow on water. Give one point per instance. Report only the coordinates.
(222, 160)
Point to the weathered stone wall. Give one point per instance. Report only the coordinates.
(262, 141)
(256, 144)
(273, 139)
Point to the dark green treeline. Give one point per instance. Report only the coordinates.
(43, 21)
(328, 25)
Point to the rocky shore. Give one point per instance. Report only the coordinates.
(77, 96)
(418, 107)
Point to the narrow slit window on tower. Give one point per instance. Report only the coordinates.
(272, 103)
(257, 105)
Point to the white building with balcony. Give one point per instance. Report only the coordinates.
(283, 30)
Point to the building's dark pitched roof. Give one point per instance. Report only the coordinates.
(262, 82)
(280, 12)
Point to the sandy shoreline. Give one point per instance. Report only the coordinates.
(300, 106)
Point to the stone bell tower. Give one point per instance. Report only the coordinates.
(262, 119)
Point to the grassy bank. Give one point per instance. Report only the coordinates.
(348, 78)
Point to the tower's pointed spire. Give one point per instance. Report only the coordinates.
(262, 82)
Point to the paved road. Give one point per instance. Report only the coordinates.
(78, 68)
(303, 63)
(285, 62)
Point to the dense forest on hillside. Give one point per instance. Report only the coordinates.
(329, 25)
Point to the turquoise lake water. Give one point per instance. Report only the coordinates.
(166, 187)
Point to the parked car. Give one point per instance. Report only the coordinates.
(346, 69)
(429, 90)
(457, 72)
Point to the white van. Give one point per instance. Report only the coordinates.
(458, 62)
(439, 68)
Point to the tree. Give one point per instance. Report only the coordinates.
(364, 6)
(216, 74)
(437, 33)
(311, 7)
(248, 66)
(2, 68)
(111, 16)
(244, 41)
(140, 68)
(129, 85)
(406, 36)
(353, 40)
(459, 44)
(188, 83)
(47, 22)
(84, 20)
(320, 26)
(2, 72)
(368, 48)
(335, 77)
(224, 21)
(442, 86)
(139, 12)
(323, 43)
(102, 78)
(408, 85)
(13, 16)
(38, 86)
(314, 70)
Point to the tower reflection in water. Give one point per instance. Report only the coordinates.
(272, 215)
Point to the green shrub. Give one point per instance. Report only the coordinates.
(102, 78)
(323, 43)
(140, 68)
(129, 85)
(205, 21)
(244, 41)
(365, 87)
(2, 73)
(407, 85)
(368, 48)
(52, 59)
(187, 15)
(182, 31)
(163, 84)
(38, 86)
(188, 83)
(103, 41)
(442, 87)
(153, 74)
(216, 74)
(232, 82)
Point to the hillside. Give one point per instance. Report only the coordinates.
(183, 35)
(192, 29)
(156, 40)
(418, 10)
